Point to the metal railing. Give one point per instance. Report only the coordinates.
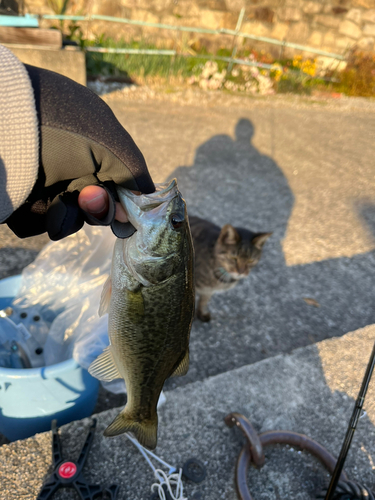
(236, 33)
(156, 52)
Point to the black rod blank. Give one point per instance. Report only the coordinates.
(352, 427)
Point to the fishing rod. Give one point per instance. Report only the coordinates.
(351, 428)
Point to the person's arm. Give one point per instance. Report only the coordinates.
(19, 135)
(81, 146)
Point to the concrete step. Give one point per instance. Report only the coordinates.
(311, 391)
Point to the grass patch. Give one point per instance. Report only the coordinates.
(136, 65)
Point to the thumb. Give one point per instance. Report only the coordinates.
(94, 200)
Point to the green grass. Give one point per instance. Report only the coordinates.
(133, 65)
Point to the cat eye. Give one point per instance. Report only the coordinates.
(177, 221)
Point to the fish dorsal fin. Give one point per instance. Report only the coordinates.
(183, 367)
(104, 367)
(105, 298)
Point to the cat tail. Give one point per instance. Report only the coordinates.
(145, 431)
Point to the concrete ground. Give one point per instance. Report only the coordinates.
(304, 170)
(291, 392)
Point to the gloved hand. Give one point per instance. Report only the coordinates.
(81, 144)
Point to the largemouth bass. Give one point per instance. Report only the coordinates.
(149, 297)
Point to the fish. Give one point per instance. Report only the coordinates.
(150, 299)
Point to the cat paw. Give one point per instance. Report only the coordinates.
(205, 317)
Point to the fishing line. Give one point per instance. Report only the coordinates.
(169, 481)
(173, 478)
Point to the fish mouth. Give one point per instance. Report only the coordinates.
(135, 205)
(163, 192)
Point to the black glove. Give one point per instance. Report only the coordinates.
(81, 144)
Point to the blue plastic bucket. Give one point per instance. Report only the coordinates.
(31, 398)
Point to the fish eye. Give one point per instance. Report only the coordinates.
(177, 220)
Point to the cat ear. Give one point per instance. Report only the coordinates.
(228, 235)
(259, 240)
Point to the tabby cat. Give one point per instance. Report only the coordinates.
(222, 258)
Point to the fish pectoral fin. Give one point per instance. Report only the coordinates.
(183, 366)
(104, 366)
(145, 431)
(105, 297)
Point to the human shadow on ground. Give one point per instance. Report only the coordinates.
(265, 315)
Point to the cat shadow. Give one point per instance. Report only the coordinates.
(266, 314)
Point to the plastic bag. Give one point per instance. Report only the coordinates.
(62, 288)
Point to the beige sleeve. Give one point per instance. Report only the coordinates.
(19, 138)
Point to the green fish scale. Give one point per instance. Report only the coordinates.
(150, 341)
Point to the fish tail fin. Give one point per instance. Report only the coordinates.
(145, 431)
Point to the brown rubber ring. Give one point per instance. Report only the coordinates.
(253, 450)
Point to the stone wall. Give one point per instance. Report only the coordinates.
(331, 25)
